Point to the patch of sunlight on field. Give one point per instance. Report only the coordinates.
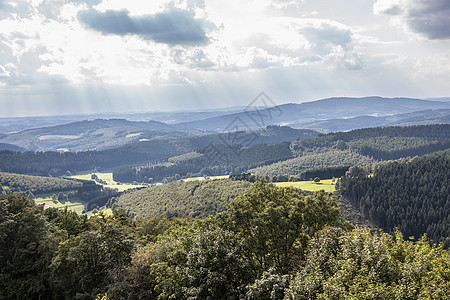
(206, 178)
(132, 135)
(74, 205)
(327, 185)
(108, 178)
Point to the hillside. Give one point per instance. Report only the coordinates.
(10, 147)
(412, 195)
(326, 115)
(193, 198)
(209, 160)
(57, 164)
(425, 117)
(35, 184)
(93, 135)
(359, 147)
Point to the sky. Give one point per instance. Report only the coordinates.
(98, 56)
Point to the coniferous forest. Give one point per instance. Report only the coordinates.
(412, 195)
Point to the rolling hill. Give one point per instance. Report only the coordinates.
(92, 135)
(425, 117)
(307, 112)
(357, 147)
(56, 164)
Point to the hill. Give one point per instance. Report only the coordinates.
(425, 117)
(193, 198)
(10, 147)
(93, 135)
(412, 195)
(57, 164)
(307, 112)
(35, 184)
(326, 115)
(359, 147)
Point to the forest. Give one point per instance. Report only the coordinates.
(180, 199)
(357, 147)
(52, 163)
(271, 243)
(35, 184)
(412, 195)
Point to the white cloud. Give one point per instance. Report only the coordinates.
(246, 46)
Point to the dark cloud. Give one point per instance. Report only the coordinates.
(173, 27)
(430, 18)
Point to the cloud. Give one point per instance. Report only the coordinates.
(291, 41)
(88, 2)
(430, 18)
(173, 27)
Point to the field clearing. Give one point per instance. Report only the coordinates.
(72, 204)
(207, 178)
(107, 212)
(58, 137)
(327, 185)
(133, 135)
(108, 178)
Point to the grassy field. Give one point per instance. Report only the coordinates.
(72, 204)
(327, 185)
(108, 178)
(203, 178)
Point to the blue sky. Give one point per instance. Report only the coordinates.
(90, 56)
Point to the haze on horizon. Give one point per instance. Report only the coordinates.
(93, 56)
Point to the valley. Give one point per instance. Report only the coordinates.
(153, 197)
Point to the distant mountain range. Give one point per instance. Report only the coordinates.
(326, 109)
(327, 115)
(425, 117)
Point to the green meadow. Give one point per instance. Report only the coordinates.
(108, 178)
(205, 178)
(327, 185)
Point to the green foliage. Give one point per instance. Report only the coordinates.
(312, 161)
(210, 160)
(36, 184)
(276, 223)
(215, 268)
(269, 286)
(359, 147)
(84, 264)
(272, 243)
(194, 198)
(57, 164)
(23, 233)
(410, 194)
(362, 265)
